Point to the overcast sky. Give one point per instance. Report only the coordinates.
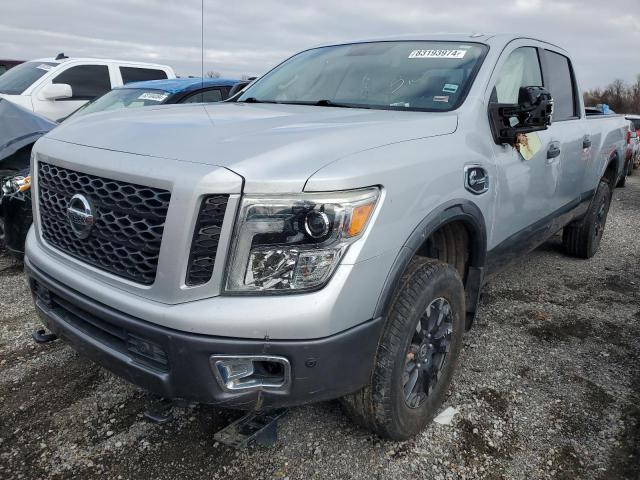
(251, 36)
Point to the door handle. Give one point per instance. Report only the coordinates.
(553, 151)
(586, 141)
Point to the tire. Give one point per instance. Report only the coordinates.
(426, 289)
(582, 239)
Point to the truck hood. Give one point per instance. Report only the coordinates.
(275, 148)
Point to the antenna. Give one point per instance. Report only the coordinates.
(202, 44)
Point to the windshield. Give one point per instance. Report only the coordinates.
(424, 75)
(16, 80)
(123, 98)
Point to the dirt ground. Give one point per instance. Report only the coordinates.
(549, 387)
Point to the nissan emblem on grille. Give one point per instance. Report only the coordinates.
(80, 214)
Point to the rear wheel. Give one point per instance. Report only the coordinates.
(582, 238)
(417, 353)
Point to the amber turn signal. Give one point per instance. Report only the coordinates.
(359, 218)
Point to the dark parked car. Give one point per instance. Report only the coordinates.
(162, 92)
(20, 128)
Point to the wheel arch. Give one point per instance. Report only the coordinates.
(458, 210)
(610, 172)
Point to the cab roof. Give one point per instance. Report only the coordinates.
(90, 60)
(488, 38)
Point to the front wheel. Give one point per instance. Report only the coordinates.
(417, 353)
(582, 238)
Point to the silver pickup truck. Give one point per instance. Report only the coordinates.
(325, 234)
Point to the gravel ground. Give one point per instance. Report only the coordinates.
(549, 387)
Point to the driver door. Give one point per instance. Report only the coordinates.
(527, 182)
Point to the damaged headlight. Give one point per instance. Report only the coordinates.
(295, 243)
(16, 184)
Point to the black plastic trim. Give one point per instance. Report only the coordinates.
(529, 238)
(321, 369)
(458, 209)
(205, 240)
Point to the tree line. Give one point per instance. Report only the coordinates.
(620, 96)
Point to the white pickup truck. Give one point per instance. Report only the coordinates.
(56, 87)
(327, 233)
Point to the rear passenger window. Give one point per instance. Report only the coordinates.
(133, 74)
(87, 81)
(207, 96)
(521, 69)
(560, 79)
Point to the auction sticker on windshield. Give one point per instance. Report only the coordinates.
(433, 53)
(154, 97)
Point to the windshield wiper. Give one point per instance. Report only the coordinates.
(327, 103)
(316, 103)
(255, 100)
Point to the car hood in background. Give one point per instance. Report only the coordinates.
(276, 148)
(19, 127)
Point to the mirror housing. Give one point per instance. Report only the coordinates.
(56, 91)
(532, 113)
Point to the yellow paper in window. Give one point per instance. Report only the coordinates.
(529, 145)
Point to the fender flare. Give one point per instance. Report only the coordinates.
(615, 159)
(457, 209)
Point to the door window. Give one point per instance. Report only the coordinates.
(134, 74)
(560, 79)
(207, 96)
(87, 81)
(521, 69)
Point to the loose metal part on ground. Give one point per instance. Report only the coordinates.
(258, 427)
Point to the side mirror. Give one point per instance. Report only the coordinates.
(56, 91)
(532, 113)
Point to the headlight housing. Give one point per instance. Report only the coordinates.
(294, 243)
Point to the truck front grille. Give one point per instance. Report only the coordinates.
(206, 237)
(129, 221)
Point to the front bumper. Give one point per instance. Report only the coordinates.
(177, 364)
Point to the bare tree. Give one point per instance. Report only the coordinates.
(213, 74)
(622, 98)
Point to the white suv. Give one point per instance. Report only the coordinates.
(56, 87)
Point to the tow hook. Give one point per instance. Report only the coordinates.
(41, 336)
(160, 410)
